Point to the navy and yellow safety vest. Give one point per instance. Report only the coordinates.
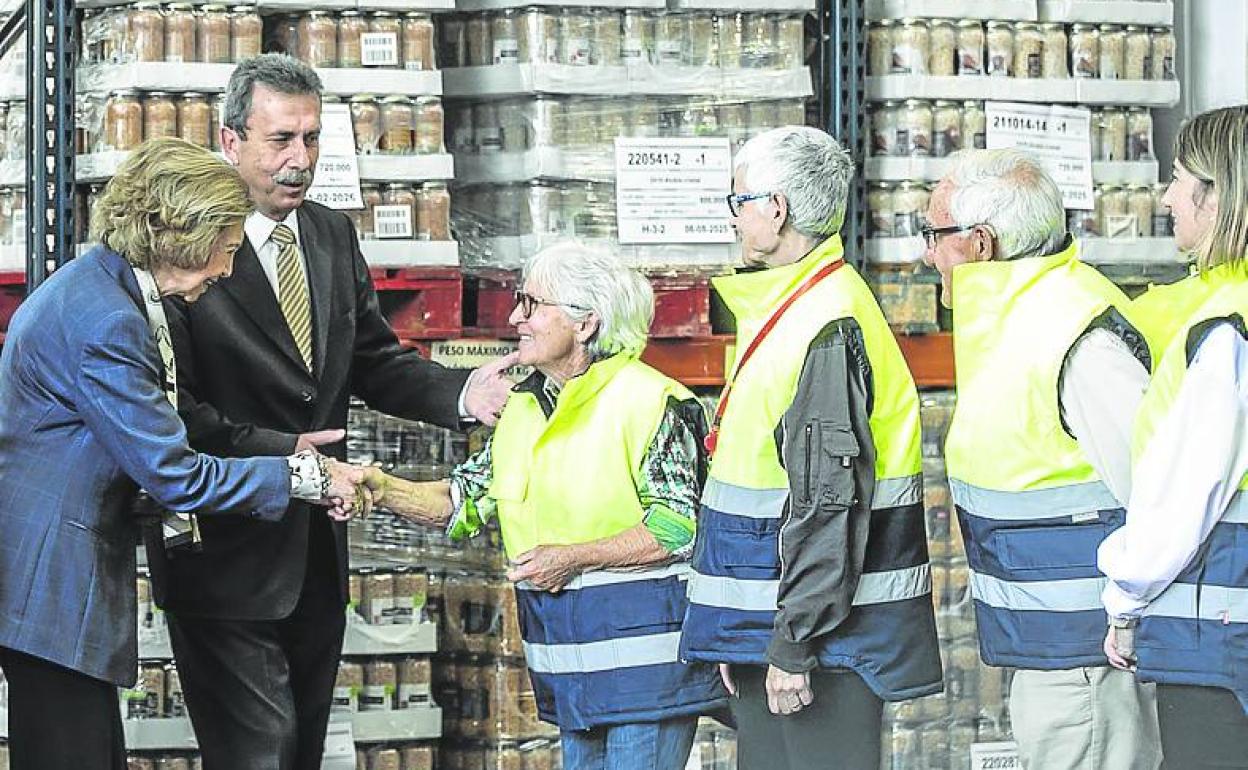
(889, 637)
(1031, 508)
(604, 649)
(1196, 631)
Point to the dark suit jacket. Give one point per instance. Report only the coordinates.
(83, 423)
(245, 391)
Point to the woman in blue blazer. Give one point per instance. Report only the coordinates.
(86, 420)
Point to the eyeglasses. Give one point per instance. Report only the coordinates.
(736, 200)
(527, 303)
(932, 234)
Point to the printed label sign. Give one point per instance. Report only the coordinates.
(379, 49)
(1060, 137)
(392, 221)
(337, 181)
(673, 190)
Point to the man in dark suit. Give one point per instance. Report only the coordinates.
(267, 365)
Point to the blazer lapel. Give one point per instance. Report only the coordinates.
(250, 288)
(319, 257)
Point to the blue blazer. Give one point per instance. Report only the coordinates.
(83, 424)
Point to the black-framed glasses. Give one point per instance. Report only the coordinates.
(737, 200)
(528, 303)
(932, 234)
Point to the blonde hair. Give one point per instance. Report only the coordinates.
(168, 204)
(1213, 147)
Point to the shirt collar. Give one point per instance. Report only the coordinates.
(259, 228)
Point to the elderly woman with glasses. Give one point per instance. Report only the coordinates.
(594, 473)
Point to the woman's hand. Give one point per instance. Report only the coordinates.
(378, 483)
(547, 567)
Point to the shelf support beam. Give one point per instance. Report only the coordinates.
(51, 47)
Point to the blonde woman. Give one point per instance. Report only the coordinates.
(1177, 596)
(86, 420)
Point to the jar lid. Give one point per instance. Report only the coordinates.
(999, 25)
(396, 99)
(1162, 31)
(912, 22)
(421, 100)
(213, 8)
(389, 186)
(1135, 28)
(1052, 25)
(192, 95)
(915, 103)
(147, 5)
(973, 103)
(179, 7)
(417, 15)
(317, 14)
(349, 14)
(1083, 27)
(942, 22)
(382, 15)
(886, 23)
(970, 23)
(942, 103)
(1025, 25)
(157, 94)
(433, 186)
(1110, 28)
(127, 92)
(363, 98)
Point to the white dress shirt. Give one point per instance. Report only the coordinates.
(1101, 389)
(1184, 479)
(259, 230)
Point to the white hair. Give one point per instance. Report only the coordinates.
(808, 168)
(597, 280)
(1011, 192)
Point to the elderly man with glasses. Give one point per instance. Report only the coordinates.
(812, 588)
(1050, 372)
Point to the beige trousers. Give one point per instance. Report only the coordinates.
(1096, 718)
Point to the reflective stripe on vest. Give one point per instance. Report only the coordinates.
(736, 557)
(1030, 506)
(586, 645)
(760, 595)
(1194, 632)
(769, 503)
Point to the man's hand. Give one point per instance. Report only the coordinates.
(788, 693)
(547, 567)
(1120, 648)
(488, 388)
(318, 438)
(725, 674)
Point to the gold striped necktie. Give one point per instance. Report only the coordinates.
(292, 291)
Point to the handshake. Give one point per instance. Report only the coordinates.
(351, 491)
(355, 490)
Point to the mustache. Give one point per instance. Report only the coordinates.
(300, 177)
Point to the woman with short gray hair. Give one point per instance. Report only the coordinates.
(594, 474)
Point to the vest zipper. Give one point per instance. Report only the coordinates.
(810, 429)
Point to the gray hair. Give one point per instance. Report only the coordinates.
(1011, 192)
(597, 279)
(805, 165)
(277, 71)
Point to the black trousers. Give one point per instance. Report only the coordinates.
(61, 719)
(1201, 727)
(839, 731)
(259, 692)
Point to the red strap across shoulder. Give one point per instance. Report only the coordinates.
(712, 438)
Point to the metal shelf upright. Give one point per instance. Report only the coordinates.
(840, 89)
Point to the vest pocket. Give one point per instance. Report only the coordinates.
(1064, 551)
